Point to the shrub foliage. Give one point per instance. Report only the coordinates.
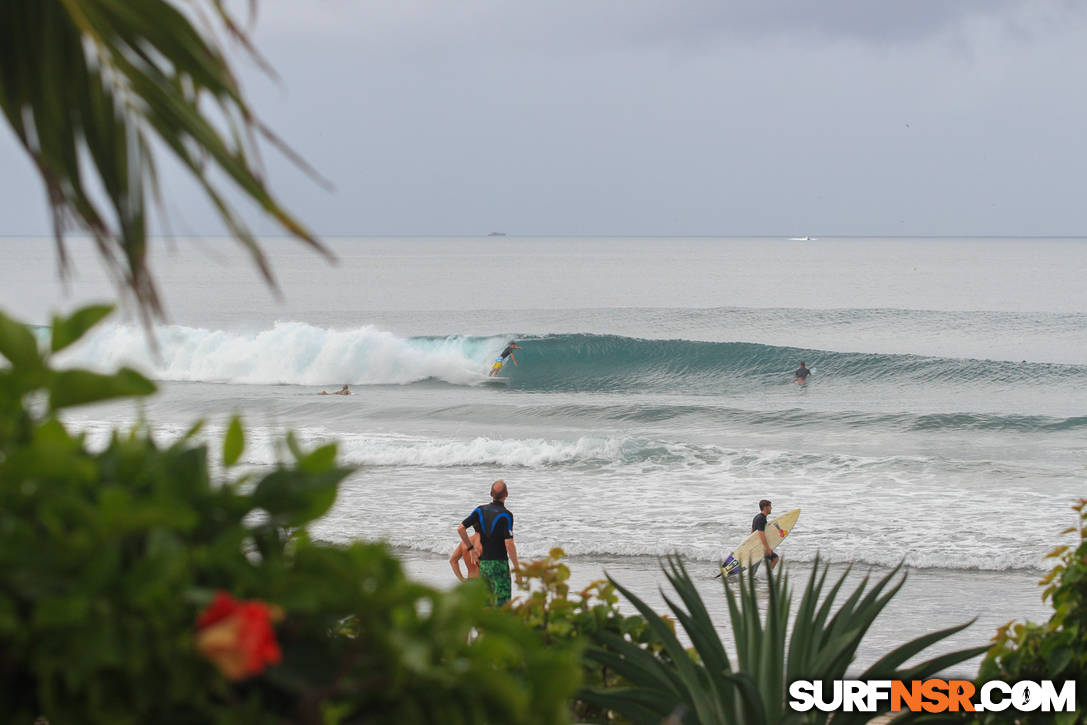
(578, 618)
(1057, 649)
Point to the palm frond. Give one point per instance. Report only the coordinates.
(88, 86)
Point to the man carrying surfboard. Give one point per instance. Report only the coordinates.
(800, 377)
(501, 359)
(759, 524)
(766, 535)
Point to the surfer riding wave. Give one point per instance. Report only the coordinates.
(501, 359)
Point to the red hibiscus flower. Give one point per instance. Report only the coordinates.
(237, 636)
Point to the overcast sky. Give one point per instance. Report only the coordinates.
(665, 117)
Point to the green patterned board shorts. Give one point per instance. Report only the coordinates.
(496, 573)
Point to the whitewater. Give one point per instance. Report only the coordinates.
(652, 405)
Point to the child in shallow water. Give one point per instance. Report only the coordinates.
(471, 563)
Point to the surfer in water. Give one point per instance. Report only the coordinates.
(759, 524)
(501, 359)
(800, 377)
(342, 391)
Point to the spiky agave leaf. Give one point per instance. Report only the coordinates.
(658, 685)
(88, 86)
(821, 646)
(760, 644)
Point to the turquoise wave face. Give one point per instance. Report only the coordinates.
(609, 363)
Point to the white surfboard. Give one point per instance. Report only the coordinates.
(750, 551)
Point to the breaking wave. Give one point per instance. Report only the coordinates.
(295, 353)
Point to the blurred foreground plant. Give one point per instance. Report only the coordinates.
(1057, 649)
(705, 686)
(547, 606)
(108, 556)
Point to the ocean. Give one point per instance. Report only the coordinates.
(652, 403)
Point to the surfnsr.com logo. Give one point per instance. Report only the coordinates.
(933, 695)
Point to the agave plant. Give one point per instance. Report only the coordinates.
(706, 686)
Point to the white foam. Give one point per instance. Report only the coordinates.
(398, 450)
(289, 353)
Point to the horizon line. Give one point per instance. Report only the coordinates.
(514, 235)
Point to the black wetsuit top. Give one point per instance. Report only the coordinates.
(507, 352)
(494, 522)
(759, 524)
(803, 373)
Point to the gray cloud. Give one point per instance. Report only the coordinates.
(588, 24)
(687, 117)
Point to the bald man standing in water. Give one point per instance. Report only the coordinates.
(494, 522)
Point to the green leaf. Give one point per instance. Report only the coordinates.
(17, 344)
(193, 430)
(79, 387)
(936, 665)
(319, 460)
(234, 442)
(1067, 718)
(67, 330)
(1058, 659)
(638, 705)
(886, 666)
(293, 498)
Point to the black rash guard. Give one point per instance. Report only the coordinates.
(494, 522)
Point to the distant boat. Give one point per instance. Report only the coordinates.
(800, 239)
(497, 234)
